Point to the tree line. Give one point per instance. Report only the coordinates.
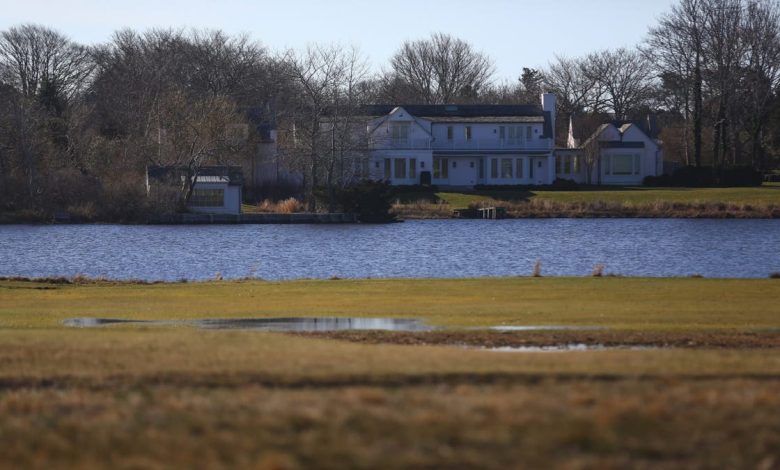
(80, 123)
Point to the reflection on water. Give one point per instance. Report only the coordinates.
(269, 324)
(441, 248)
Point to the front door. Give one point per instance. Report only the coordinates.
(538, 171)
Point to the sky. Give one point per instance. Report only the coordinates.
(514, 33)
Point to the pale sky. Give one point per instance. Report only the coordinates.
(514, 33)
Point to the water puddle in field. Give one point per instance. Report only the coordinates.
(507, 328)
(268, 324)
(575, 347)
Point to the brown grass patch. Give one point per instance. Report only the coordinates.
(494, 339)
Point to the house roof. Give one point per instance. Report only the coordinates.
(233, 175)
(465, 113)
(461, 110)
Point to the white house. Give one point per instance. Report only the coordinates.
(616, 153)
(463, 145)
(466, 145)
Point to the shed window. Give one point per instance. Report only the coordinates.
(207, 198)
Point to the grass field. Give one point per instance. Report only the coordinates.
(761, 202)
(132, 396)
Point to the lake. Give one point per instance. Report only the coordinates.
(431, 248)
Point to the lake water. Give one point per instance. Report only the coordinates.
(445, 248)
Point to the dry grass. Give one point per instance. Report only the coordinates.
(286, 206)
(422, 209)
(580, 424)
(540, 208)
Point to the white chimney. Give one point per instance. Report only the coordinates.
(548, 104)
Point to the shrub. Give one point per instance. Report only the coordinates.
(775, 275)
(703, 177)
(566, 184)
(598, 270)
(370, 200)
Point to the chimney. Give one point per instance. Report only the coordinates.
(548, 104)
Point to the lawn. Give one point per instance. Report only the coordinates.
(133, 396)
(768, 194)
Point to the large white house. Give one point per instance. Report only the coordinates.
(468, 145)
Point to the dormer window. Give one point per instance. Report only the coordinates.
(400, 132)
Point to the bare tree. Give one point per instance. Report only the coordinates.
(624, 79)
(322, 131)
(761, 33)
(189, 132)
(576, 89)
(439, 70)
(40, 60)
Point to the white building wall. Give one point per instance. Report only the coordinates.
(231, 203)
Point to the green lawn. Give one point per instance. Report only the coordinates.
(634, 303)
(766, 195)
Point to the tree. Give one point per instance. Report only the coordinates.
(676, 47)
(323, 132)
(439, 70)
(39, 60)
(569, 80)
(188, 132)
(623, 78)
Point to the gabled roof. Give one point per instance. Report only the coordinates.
(465, 113)
(233, 175)
(459, 110)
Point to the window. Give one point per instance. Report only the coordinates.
(519, 168)
(467, 132)
(388, 164)
(450, 133)
(528, 133)
(413, 168)
(501, 132)
(607, 165)
(558, 165)
(364, 173)
(567, 164)
(494, 167)
(515, 135)
(400, 132)
(482, 168)
(207, 198)
(531, 168)
(506, 168)
(576, 165)
(440, 168)
(400, 168)
(622, 164)
(636, 164)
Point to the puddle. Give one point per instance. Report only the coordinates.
(269, 324)
(546, 328)
(567, 348)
